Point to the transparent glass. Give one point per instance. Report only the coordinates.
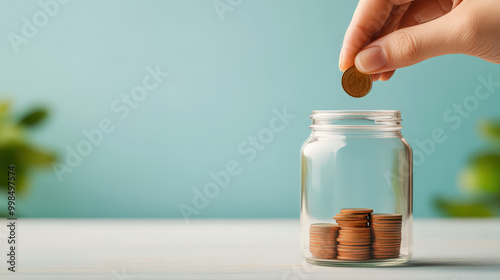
(356, 159)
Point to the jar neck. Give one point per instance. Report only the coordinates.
(382, 123)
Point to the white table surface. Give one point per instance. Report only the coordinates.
(231, 249)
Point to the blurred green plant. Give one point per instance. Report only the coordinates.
(479, 181)
(15, 149)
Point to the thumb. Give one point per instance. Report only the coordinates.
(407, 46)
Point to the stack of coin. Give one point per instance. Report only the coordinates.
(323, 240)
(386, 235)
(354, 235)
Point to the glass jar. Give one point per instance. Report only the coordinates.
(356, 159)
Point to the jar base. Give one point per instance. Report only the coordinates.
(364, 263)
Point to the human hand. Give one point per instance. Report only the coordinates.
(385, 35)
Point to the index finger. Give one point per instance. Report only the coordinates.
(368, 19)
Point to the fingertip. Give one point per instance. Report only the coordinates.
(344, 63)
(346, 58)
(343, 67)
(371, 59)
(375, 77)
(386, 76)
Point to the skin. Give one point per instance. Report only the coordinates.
(385, 35)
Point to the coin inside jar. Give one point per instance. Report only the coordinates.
(355, 83)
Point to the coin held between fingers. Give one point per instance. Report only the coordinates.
(355, 83)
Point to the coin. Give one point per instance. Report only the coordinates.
(355, 255)
(354, 243)
(378, 224)
(355, 229)
(386, 237)
(352, 232)
(351, 218)
(355, 83)
(379, 243)
(355, 234)
(387, 217)
(351, 214)
(386, 234)
(354, 239)
(355, 249)
(322, 240)
(382, 251)
(353, 224)
(385, 229)
(356, 210)
(324, 225)
(394, 222)
(367, 257)
(392, 253)
(359, 235)
(385, 247)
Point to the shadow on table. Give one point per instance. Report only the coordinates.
(455, 262)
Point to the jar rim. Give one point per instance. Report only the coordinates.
(356, 112)
(382, 120)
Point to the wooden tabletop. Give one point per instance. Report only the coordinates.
(116, 249)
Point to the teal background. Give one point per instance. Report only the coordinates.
(226, 77)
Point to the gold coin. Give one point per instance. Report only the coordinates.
(386, 229)
(361, 258)
(356, 210)
(324, 225)
(355, 234)
(355, 83)
(385, 224)
(352, 218)
(387, 217)
(356, 229)
(387, 221)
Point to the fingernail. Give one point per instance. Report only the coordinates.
(370, 60)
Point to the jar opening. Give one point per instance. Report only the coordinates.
(369, 120)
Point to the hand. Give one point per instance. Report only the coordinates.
(385, 35)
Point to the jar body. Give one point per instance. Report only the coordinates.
(342, 168)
